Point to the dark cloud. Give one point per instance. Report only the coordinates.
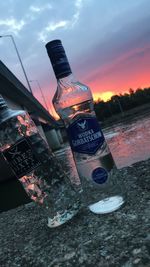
(130, 41)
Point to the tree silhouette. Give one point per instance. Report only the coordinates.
(121, 103)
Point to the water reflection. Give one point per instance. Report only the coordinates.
(129, 142)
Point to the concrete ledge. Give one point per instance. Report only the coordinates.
(120, 239)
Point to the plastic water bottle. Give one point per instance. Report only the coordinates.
(38, 170)
(95, 165)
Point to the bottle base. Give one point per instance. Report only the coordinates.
(62, 218)
(107, 205)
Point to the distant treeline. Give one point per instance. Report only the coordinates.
(120, 103)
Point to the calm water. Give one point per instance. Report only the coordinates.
(129, 142)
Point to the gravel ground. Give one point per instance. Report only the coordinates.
(120, 239)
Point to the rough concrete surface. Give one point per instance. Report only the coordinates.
(120, 239)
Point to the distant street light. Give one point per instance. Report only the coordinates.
(40, 91)
(115, 98)
(12, 38)
(120, 106)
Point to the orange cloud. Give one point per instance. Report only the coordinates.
(130, 71)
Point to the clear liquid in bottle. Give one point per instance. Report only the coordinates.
(38, 170)
(95, 165)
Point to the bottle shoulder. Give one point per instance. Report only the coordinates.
(71, 93)
(7, 114)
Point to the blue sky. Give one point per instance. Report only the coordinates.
(107, 42)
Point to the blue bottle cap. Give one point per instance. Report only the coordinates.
(58, 59)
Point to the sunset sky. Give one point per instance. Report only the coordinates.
(107, 42)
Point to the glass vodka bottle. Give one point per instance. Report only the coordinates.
(30, 159)
(95, 165)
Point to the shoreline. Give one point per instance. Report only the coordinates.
(129, 115)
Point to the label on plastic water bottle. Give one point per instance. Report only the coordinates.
(85, 135)
(99, 175)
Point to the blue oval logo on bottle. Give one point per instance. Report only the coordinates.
(99, 175)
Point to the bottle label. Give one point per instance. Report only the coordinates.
(99, 175)
(21, 158)
(85, 135)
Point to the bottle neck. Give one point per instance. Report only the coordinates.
(3, 105)
(66, 80)
(4, 110)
